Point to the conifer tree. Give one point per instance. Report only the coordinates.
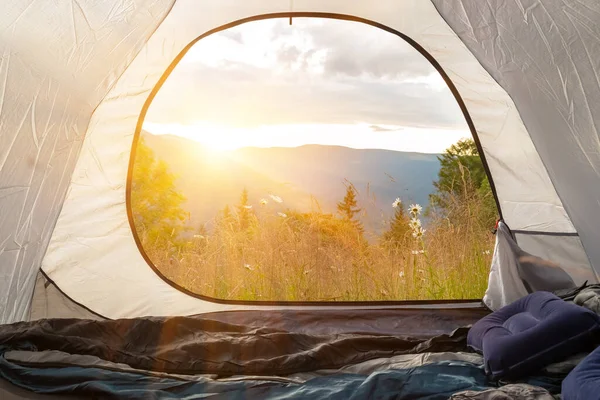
(399, 228)
(243, 211)
(348, 207)
(156, 202)
(225, 219)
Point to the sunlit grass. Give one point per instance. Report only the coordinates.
(320, 257)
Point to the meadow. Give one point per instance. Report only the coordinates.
(318, 257)
(253, 252)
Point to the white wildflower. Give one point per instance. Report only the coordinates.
(401, 274)
(276, 199)
(416, 252)
(263, 202)
(248, 207)
(248, 267)
(198, 237)
(418, 233)
(397, 202)
(415, 209)
(487, 252)
(282, 215)
(414, 223)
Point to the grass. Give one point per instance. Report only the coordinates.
(320, 257)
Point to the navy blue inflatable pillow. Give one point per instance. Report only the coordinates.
(583, 382)
(532, 332)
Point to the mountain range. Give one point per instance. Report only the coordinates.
(305, 178)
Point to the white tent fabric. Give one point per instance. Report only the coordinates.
(545, 55)
(59, 59)
(505, 284)
(73, 73)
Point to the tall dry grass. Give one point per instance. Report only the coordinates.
(320, 257)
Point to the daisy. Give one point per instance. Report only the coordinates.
(276, 199)
(401, 274)
(415, 209)
(397, 202)
(414, 223)
(282, 215)
(263, 202)
(418, 233)
(247, 207)
(248, 267)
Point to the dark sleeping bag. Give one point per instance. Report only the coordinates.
(583, 383)
(534, 331)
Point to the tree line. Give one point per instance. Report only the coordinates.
(160, 218)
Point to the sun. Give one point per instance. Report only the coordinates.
(218, 139)
(217, 144)
(215, 138)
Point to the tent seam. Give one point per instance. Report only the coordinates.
(70, 298)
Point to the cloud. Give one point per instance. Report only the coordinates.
(379, 128)
(357, 49)
(234, 35)
(253, 96)
(391, 65)
(323, 71)
(287, 55)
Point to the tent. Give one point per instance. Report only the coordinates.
(77, 77)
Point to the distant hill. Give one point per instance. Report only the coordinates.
(298, 175)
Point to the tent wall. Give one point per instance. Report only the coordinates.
(546, 55)
(93, 256)
(515, 273)
(59, 59)
(49, 302)
(566, 251)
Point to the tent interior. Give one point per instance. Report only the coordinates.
(116, 285)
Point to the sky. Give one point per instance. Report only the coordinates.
(318, 81)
